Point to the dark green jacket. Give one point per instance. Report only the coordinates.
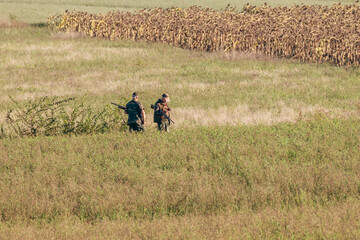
(133, 109)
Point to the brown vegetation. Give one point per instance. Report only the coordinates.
(333, 222)
(310, 33)
(12, 23)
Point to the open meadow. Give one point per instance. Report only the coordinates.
(262, 148)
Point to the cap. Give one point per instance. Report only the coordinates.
(166, 96)
(135, 94)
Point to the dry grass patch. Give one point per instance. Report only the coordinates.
(53, 47)
(276, 75)
(95, 82)
(6, 23)
(339, 222)
(198, 86)
(25, 92)
(242, 56)
(12, 61)
(67, 35)
(54, 52)
(99, 83)
(248, 115)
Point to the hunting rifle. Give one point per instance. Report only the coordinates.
(162, 113)
(121, 107)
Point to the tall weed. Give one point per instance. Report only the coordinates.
(53, 116)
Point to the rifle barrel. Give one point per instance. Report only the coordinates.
(121, 107)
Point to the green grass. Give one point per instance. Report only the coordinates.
(217, 171)
(261, 149)
(205, 88)
(37, 11)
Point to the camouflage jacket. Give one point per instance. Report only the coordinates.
(133, 109)
(160, 105)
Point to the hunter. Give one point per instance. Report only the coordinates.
(136, 112)
(161, 108)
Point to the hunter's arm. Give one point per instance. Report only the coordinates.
(143, 116)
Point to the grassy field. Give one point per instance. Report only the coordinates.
(37, 11)
(281, 181)
(261, 149)
(206, 88)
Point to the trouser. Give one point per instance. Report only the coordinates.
(136, 127)
(163, 126)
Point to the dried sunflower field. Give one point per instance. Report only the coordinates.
(310, 33)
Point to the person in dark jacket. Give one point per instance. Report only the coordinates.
(136, 114)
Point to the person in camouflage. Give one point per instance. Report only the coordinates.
(136, 112)
(162, 104)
